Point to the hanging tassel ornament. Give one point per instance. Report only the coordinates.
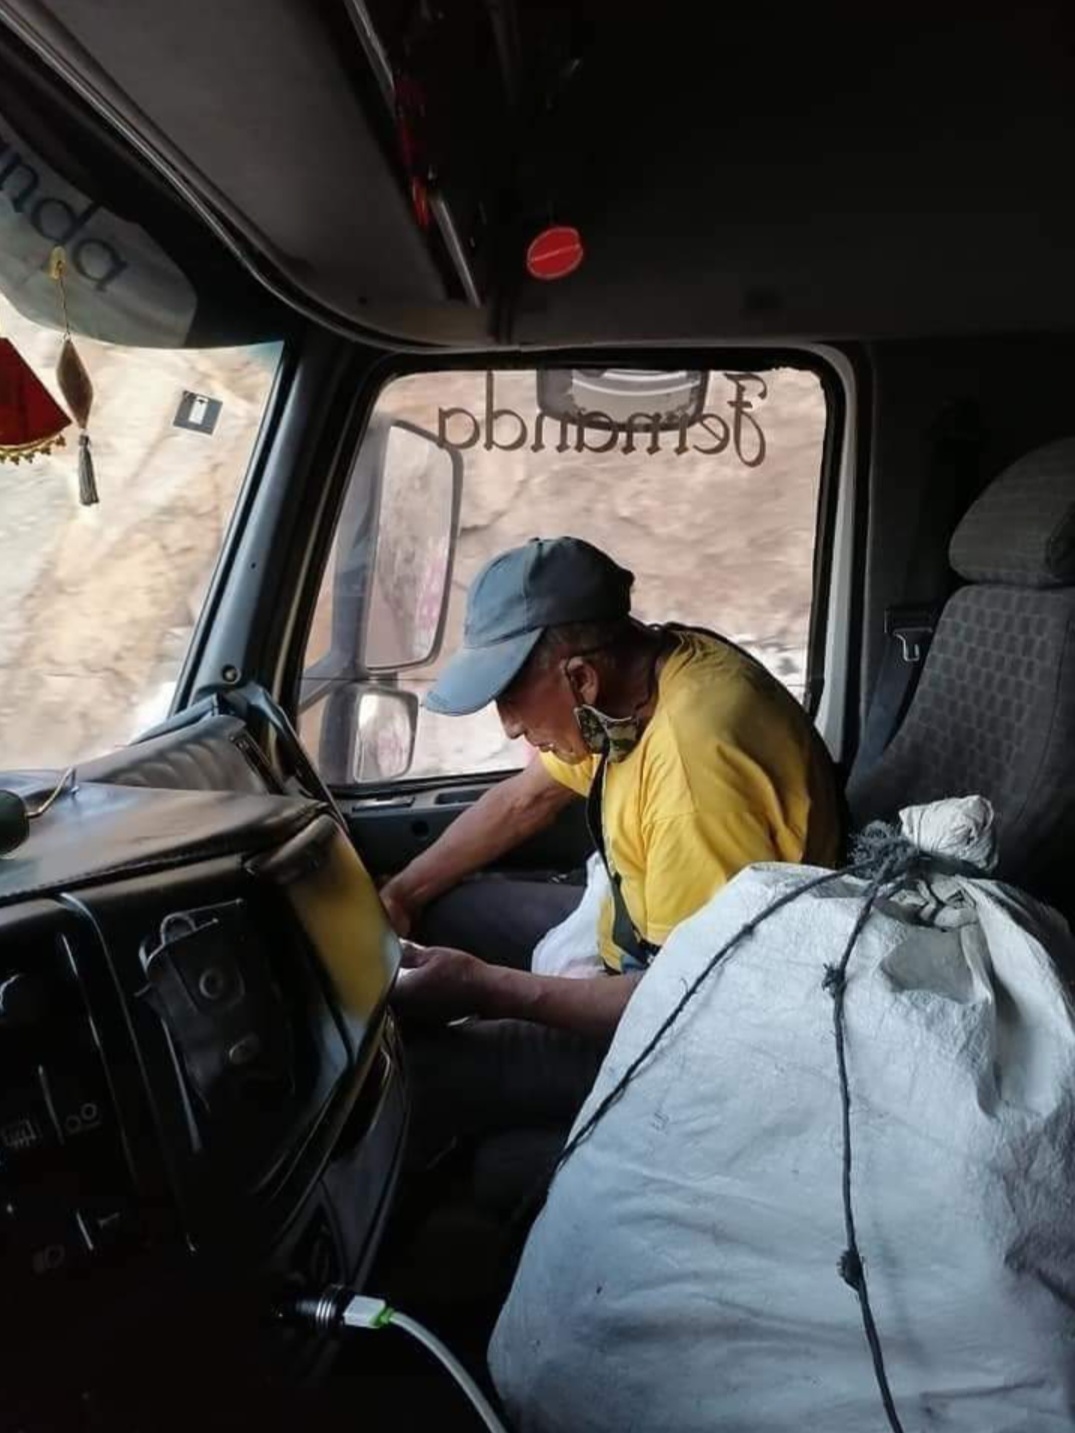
(76, 387)
(31, 421)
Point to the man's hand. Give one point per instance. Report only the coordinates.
(507, 814)
(438, 984)
(402, 910)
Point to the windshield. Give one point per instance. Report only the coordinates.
(98, 604)
(705, 484)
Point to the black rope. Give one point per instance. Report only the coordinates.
(851, 1267)
(888, 861)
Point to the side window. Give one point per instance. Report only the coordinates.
(99, 603)
(706, 485)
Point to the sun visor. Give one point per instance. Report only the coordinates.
(262, 118)
(142, 269)
(122, 287)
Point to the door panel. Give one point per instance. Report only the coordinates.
(393, 826)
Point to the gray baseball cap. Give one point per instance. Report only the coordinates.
(547, 582)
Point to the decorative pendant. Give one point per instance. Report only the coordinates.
(76, 387)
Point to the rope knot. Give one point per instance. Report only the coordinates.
(883, 854)
(850, 1269)
(834, 980)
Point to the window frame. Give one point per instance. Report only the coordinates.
(242, 510)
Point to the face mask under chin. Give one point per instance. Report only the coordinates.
(618, 736)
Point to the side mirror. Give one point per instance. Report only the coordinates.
(617, 399)
(386, 727)
(414, 537)
(390, 575)
(363, 734)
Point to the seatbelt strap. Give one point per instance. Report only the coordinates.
(909, 633)
(635, 949)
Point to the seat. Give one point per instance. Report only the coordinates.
(994, 711)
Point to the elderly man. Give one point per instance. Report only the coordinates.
(694, 763)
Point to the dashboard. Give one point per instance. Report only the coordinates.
(202, 1104)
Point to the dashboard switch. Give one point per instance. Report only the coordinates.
(106, 1225)
(39, 1241)
(77, 1101)
(26, 1131)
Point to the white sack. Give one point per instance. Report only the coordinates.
(572, 947)
(683, 1273)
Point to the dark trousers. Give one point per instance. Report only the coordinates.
(483, 1078)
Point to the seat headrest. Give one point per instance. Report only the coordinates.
(1021, 531)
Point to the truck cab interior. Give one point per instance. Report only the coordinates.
(204, 1088)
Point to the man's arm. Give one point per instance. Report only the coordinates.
(444, 985)
(507, 815)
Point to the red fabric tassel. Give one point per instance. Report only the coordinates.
(31, 421)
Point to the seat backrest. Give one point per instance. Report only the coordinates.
(994, 711)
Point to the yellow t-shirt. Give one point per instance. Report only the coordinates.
(728, 771)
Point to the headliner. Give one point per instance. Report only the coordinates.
(738, 173)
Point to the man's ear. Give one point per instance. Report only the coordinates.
(584, 679)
